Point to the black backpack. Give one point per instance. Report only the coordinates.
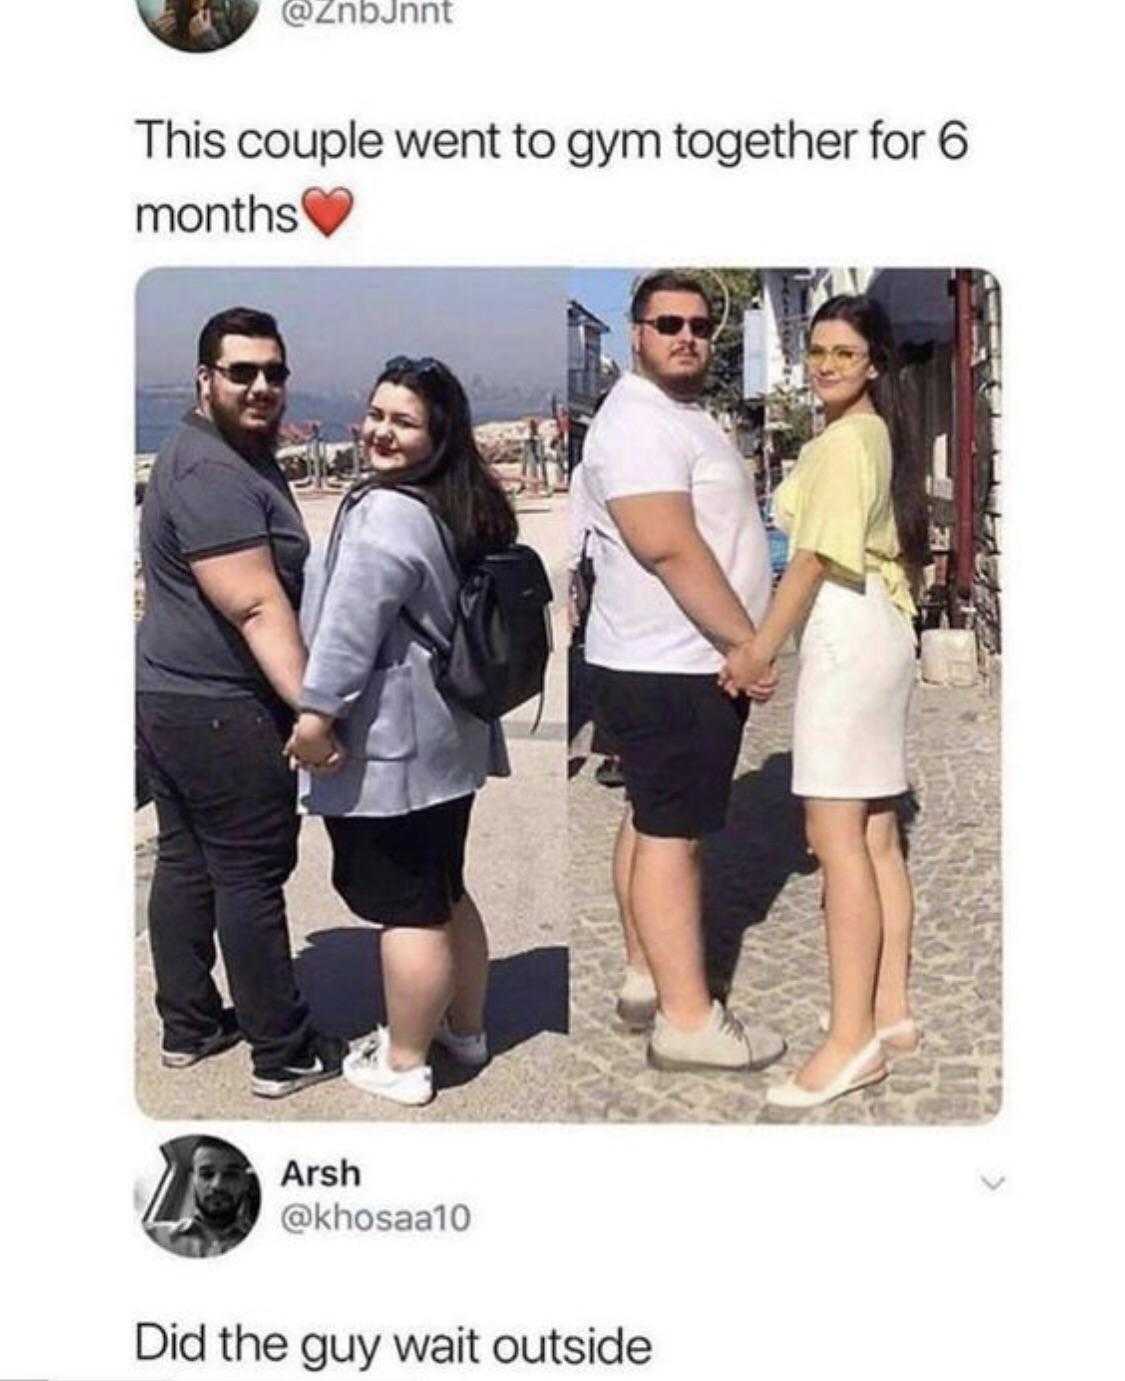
(497, 656)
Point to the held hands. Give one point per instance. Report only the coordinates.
(313, 746)
(748, 673)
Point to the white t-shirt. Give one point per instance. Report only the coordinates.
(577, 518)
(643, 442)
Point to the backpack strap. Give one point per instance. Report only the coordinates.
(442, 531)
(422, 633)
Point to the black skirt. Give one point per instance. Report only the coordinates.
(402, 869)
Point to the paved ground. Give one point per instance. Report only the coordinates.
(516, 869)
(765, 935)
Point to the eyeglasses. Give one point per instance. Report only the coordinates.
(424, 364)
(243, 373)
(701, 327)
(841, 357)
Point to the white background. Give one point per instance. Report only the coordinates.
(741, 1251)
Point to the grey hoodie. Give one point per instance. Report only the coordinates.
(407, 746)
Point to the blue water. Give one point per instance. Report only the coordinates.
(158, 412)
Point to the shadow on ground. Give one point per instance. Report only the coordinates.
(340, 976)
(747, 865)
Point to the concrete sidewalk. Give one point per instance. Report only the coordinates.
(516, 872)
(765, 930)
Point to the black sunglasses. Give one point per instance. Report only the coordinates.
(701, 327)
(243, 373)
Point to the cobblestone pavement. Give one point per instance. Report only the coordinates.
(765, 932)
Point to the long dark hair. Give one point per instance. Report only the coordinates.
(458, 484)
(908, 475)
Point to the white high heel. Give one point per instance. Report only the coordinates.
(853, 1076)
(897, 1031)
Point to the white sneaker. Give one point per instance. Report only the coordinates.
(471, 1050)
(366, 1066)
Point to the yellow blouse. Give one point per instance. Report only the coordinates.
(837, 503)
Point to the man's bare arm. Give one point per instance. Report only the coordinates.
(244, 587)
(660, 532)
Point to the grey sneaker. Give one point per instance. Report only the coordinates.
(636, 1002)
(722, 1044)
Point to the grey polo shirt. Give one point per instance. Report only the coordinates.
(204, 499)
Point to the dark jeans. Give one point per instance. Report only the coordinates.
(225, 803)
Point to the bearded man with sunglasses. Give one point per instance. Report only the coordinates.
(220, 663)
(682, 576)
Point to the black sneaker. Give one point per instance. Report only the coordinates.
(227, 1035)
(324, 1061)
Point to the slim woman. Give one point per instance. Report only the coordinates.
(398, 810)
(855, 512)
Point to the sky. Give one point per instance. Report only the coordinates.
(341, 325)
(607, 293)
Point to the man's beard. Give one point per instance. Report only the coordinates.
(251, 445)
(220, 1210)
(686, 387)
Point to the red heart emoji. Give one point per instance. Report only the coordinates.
(327, 210)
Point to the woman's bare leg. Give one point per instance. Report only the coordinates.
(624, 850)
(470, 968)
(837, 834)
(418, 982)
(896, 898)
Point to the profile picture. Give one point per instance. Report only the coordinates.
(198, 26)
(202, 1200)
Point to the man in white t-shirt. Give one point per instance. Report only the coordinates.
(683, 576)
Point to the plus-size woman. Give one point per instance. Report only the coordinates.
(398, 810)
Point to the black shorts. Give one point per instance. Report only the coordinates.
(678, 738)
(401, 869)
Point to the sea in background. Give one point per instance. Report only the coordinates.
(158, 410)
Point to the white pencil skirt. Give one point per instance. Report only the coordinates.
(856, 670)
